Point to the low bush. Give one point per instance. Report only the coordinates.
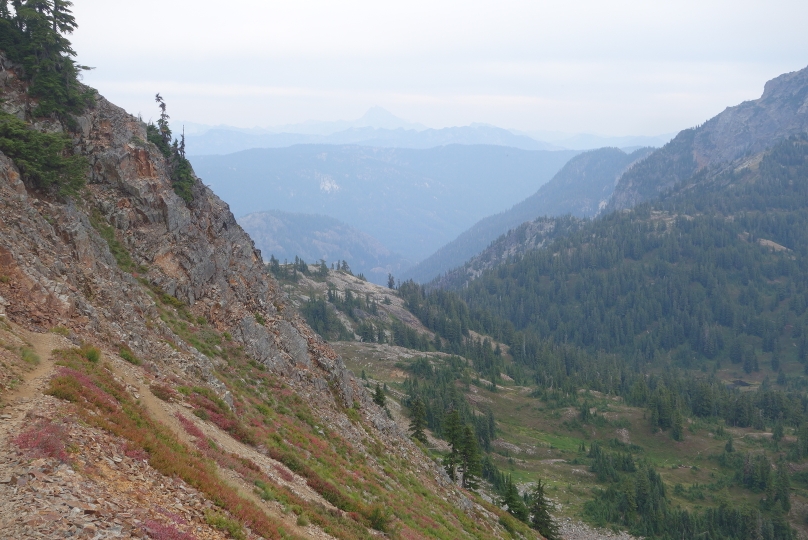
(225, 524)
(44, 439)
(161, 531)
(164, 392)
(127, 354)
(29, 356)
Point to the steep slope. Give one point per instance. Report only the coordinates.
(745, 129)
(314, 237)
(580, 189)
(413, 201)
(165, 298)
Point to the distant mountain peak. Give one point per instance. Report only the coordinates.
(380, 118)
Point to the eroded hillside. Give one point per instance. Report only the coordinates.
(158, 383)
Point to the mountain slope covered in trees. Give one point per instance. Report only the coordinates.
(744, 129)
(580, 189)
(674, 307)
(314, 237)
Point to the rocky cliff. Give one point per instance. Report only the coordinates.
(174, 299)
(745, 129)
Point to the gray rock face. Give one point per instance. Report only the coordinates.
(748, 128)
(64, 273)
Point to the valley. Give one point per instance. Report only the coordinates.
(622, 354)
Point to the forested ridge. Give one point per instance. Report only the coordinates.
(650, 304)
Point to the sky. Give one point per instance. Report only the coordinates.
(574, 66)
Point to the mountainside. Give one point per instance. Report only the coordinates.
(581, 188)
(413, 201)
(692, 308)
(744, 129)
(223, 141)
(653, 358)
(314, 238)
(156, 381)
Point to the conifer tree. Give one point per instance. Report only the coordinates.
(469, 459)
(540, 518)
(515, 504)
(418, 420)
(378, 396)
(453, 433)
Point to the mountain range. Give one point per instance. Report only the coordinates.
(223, 141)
(411, 200)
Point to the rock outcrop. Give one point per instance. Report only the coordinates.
(746, 129)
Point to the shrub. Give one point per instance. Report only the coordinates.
(29, 356)
(378, 518)
(44, 159)
(44, 439)
(161, 391)
(127, 354)
(91, 353)
(161, 531)
(225, 524)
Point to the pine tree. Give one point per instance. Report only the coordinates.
(452, 432)
(540, 518)
(515, 504)
(778, 432)
(418, 420)
(678, 432)
(378, 396)
(470, 466)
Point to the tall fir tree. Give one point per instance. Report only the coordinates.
(469, 465)
(418, 420)
(453, 433)
(540, 518)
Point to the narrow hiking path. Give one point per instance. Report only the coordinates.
(20, 401)
(27, 403)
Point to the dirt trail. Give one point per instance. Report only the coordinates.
(23, 398)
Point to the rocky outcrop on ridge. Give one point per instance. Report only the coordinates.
(745, 129)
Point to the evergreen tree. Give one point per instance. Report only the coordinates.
(391, 282)
(783, 487)
(677, 431)
(513, 501)
(777, 433)
(378, 396)
(540, 518)
(469, 459)
(418, 420)
(453, 433)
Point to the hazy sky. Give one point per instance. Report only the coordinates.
(606, 67)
